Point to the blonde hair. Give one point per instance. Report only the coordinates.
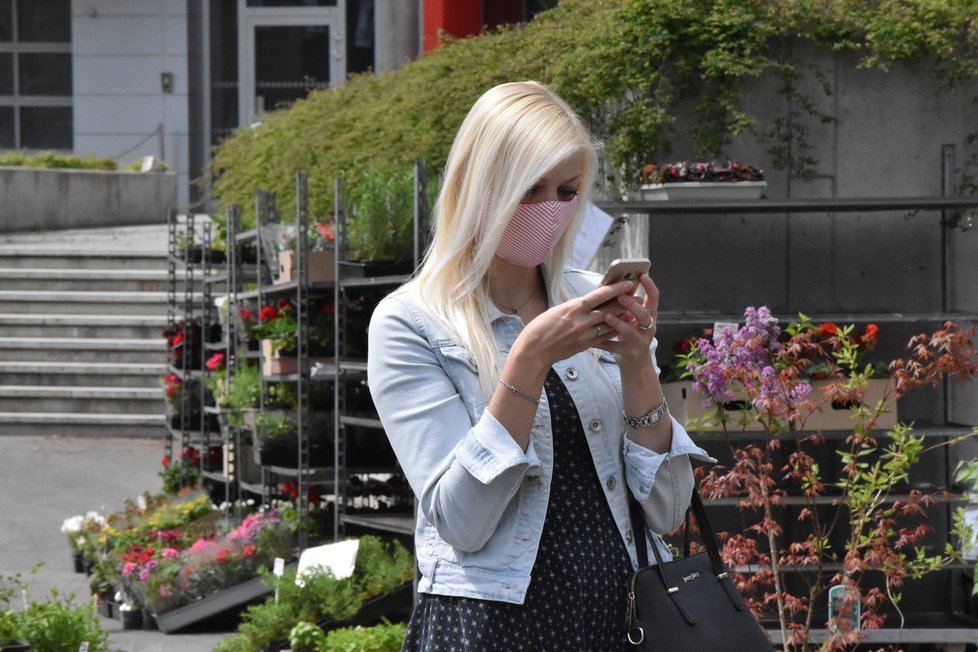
(512, 137)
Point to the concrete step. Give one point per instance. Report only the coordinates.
(87, 400)
(105, 280)
(84, 302)
(98, 349)
(84, 425)
(73, 257)
(81, 374)
(82, 325)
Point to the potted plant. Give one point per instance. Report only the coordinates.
(275, 437)
(320, 255)
(380, 229)
(307, 637)
(244, 393)
(181, 473)
(278, 331)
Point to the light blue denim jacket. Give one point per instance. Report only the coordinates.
(481, 499)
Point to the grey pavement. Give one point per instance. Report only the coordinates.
(44, 480)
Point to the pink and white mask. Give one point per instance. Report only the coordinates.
(534, 230)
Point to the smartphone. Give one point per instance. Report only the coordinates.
(626, 269)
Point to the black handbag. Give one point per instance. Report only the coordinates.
(689, 603)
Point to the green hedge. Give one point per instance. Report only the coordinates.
(625, 65)
(54, 160)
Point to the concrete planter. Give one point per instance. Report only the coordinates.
(41, 199)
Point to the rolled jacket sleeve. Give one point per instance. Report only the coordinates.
(663, 482)
(464, 470)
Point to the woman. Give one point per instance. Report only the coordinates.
(503, 381)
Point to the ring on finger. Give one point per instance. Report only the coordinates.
(649, 325)
(597, 328)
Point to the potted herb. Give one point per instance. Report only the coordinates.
(380, 229)
(307, 637)
(244, 393)
(276, 436)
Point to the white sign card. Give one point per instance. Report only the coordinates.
(337, 558)
(594, 228)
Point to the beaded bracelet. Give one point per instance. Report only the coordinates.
(519, 392)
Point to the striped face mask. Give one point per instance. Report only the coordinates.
(534, 230)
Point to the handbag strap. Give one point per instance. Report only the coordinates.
(709, 539)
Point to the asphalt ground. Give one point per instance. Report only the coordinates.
(43, 481)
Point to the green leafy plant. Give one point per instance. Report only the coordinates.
(385, 637)
(307, 636)
(58, 625)
(382, 216)
(55, 160)
(275, 428)
(244, 392)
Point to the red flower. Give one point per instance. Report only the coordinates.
(249, 552)
(190, 454)
(868, 336)
(329, 308)
(245, 315)
(283, 304)
(176, 340)
(326, 230)
(267, 313)
(222, 556)
(165, 461)
(827, 328)
(290, 488)
(216, 362)
(315, 494)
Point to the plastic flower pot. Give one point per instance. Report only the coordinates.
(149, 620)
(132, 618)
(16, 646)
(79, 562)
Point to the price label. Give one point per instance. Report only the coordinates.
(724, 325)
(279, 568)
(141, 503)
(83, 647)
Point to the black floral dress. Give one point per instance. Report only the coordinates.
(577, 596)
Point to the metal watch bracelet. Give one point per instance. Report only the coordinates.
(650, 418)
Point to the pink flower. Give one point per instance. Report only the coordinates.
(170, 553)
(216, 362)
(151, 564)
(129, 568)
(165, 592)
(143, 576)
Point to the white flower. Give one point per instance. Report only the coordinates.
(72, 525)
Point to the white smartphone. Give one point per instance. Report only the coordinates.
(626, 269)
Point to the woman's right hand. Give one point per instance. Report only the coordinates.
(572, 326)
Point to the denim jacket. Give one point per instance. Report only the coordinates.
(481, 499)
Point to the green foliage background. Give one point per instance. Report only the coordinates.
(626, 65)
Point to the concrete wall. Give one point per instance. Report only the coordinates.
(38, 200)
(884, 141)
(120, 49)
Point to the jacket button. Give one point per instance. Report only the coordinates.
(610, 483)
(595, 425)
(571, 373)
(628, 536)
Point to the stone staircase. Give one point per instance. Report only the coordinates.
(81, 321)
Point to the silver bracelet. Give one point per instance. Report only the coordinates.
(519, 392)
(650, 418)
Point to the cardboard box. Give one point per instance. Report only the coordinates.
(321, 265)
(839, 417)
(273, 364)
(687, 406)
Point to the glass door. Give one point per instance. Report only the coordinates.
(286, 54)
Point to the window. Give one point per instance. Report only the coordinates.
(35, 74)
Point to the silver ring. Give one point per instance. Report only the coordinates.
(597, 327)
(649, 325)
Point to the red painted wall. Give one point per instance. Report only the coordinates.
(457, 17)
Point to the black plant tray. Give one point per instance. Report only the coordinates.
(233, 598)
(369, 269)
(370, 613)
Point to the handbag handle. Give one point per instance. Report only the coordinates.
(709, 541)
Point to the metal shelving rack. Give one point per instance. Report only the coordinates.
(956, 629)
(348, 370)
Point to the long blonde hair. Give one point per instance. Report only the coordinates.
(511, 138)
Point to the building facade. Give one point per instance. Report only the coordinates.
(171, 78)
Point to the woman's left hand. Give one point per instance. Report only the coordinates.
(636, 327)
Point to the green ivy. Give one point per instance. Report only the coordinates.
(632, 68)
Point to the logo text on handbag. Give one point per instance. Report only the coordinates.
(690, 577)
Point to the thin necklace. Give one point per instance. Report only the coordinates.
(517, 309)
